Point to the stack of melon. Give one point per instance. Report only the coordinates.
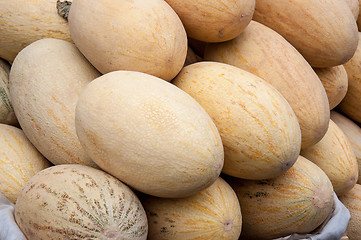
(179, 119)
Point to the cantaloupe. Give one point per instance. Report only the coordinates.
(144, 36)
(46, 79)
(324, 32)
(351, 104)
(7, 115)
(149, 134)
(260, 132)
(73, 201)
(265, 53)
(352, 201)
(298, 201)
(353, 133)
(20, 160)
(334, 155)
(335, 82)
(214, 21)
(25, 21)
(213, 213)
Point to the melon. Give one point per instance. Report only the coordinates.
(20, 160)
(214, 21)
(324, 32)
(354, 6)
(73, 201)
(26, 21)
(7, 115)
(334, 155)
(298, 201)
(213, 213)
(137, 35)
(265, 53)
(353, 133)
(351, 104)
(46, 79)
(149, 134)
(352, 201)
(335, 82)
(259, 130)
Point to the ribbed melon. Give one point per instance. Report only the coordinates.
(334, 155)
(352, 200)
(298, 201)
(46, 79)
(265, 53)
(335, 82)
(259, 130)
(7, 115)
(353, 133)
(213, 213)
(20, 160)
(72, 201)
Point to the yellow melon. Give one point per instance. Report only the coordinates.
(213, 213)
(298, 201)
(260, 132)
(265, 53)
(20, 160)
(334, 155)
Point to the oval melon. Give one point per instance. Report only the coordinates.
(352, 201)
(298, 201)
(351, 104)
(335, 82)
(72, 201)
(215, 21)
(137, 35)
(46, 79)
(20, 160)
(7, 115)
(213, 213)
(265, 53)
(260, 132)
(25, 21)
(353, 133)
(149, 134)
(334, 155)
(324, 32)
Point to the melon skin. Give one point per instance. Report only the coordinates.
(351, 104)
(324, 32)
(335, 82)
(265, 53)
(335, 156)
(352, 201)
(26, 21)
(213, 213)
(298, 201)
(73, 201)
(7, 115)
(134, 35)
(46, 79)
(353, 133)
(214, 21)
(20, 160)
(131, 122)
(259, 130)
